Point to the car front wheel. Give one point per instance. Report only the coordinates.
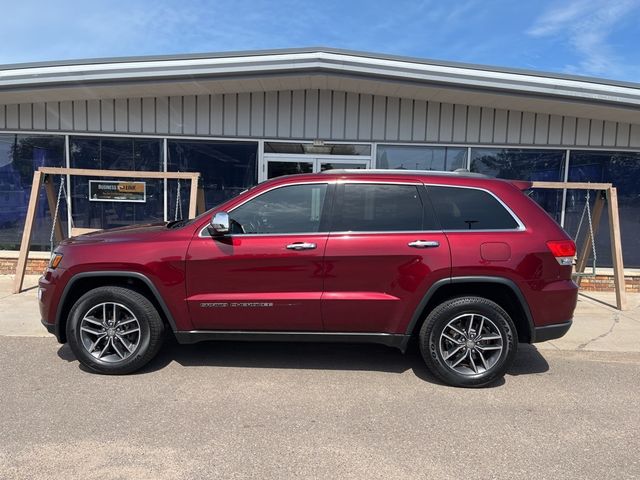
(468, 341)
(114, 330)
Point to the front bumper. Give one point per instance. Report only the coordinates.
(550, 332)
(48, 302)
(51, 327)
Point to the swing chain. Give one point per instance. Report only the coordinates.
(178, 211)
(587, 210)
(61, 191)
(593, 240)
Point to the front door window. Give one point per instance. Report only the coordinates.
(292, 209)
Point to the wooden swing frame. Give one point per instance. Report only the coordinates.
(608, 193)
(43, 176)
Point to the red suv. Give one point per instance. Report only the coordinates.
(469, 265)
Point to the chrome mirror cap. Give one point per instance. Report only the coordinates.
(219, 224)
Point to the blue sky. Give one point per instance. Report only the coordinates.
(587, 37)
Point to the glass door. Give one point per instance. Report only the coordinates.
(277, 166)
(289, 166)
(331, 163)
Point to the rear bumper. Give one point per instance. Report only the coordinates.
(550, 332)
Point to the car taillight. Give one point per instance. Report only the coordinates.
(563, 250)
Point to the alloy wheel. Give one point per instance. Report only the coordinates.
(471, 344)
(110, 332)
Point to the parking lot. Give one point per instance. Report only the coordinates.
(249, 410)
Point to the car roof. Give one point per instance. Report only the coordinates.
(459, 177)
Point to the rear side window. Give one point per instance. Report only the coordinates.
(364, 207)
(469, 209)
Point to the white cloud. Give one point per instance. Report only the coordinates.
(586, 26)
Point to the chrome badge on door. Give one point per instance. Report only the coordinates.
(236, 304)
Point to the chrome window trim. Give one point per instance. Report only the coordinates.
(521, 227)
(380, 232)
(319, 234)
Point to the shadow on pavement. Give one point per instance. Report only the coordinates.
(314, 356)
(597, 300)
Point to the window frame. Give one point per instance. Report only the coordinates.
(426, 204)
(520, 228)
(324, 215)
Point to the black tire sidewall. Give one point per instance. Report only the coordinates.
(139, 306)
(435, 323)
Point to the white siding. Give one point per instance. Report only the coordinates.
(319, 114)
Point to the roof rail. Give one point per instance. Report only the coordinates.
(460, 172)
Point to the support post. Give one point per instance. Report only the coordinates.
(200, 204)
(193, 198)
(28, 229)
(52, 200)
(616, 248)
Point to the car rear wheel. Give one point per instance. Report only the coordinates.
(114, 330)
(468, 341)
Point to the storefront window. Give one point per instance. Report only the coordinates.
(226, 168)
(622, 169)
(520, 164)
(410, 157)
(20, 156)
(109, 153)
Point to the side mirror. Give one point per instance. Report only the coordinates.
(219, 224)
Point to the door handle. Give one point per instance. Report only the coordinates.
(301, 246)
(424, 244)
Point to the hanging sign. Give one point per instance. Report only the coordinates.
(117, 191)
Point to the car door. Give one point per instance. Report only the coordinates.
(384, 251)
(267, 273)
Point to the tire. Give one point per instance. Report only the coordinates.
(122, 349)
(450, 333)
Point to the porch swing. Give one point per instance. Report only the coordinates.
(606, 194)
(44, 176)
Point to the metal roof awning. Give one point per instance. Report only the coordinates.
(321, 68)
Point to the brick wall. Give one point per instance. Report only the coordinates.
(35, 266)
(604, 283)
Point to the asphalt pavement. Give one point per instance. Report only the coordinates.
(256, 410)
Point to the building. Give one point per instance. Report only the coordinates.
(240, 118)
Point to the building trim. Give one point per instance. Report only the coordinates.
(374, 143)
(317, 61)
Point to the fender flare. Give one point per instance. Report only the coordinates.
(112, 273)
(471, 279)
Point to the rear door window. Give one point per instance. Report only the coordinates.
(469, 209)
(365, 207)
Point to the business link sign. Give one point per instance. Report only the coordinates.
(116, 191)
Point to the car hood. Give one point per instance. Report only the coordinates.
(120, 234)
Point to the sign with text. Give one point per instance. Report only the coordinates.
(117, 191)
